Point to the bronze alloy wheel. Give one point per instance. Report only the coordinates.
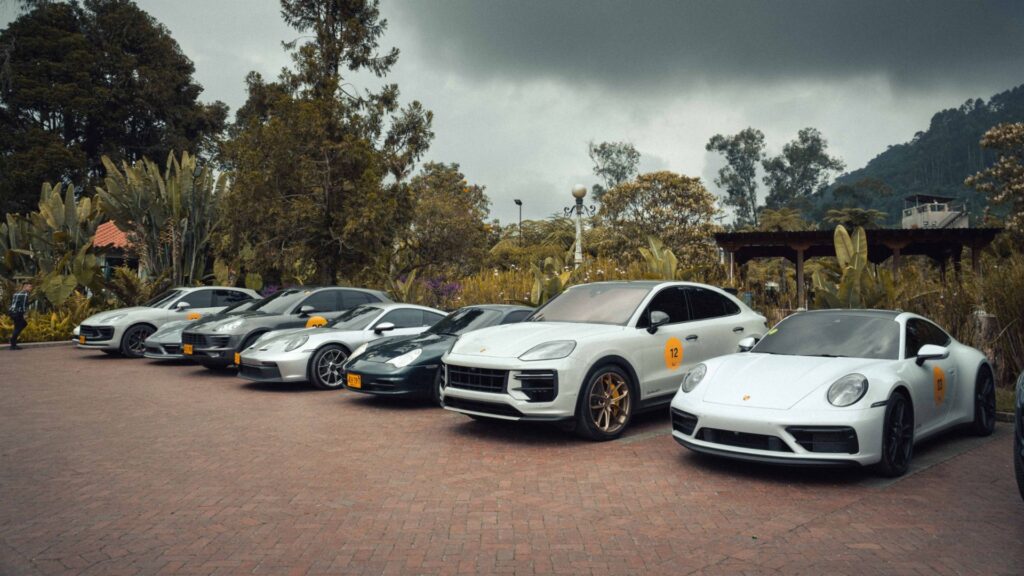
(609, 403)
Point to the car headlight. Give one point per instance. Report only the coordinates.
(405, 359)
(358, 351)
(233, 325)
(295, 342)
(693, 377)
(550, 350)
(76, 330)
(847, 390)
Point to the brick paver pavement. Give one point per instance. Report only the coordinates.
(112, 466)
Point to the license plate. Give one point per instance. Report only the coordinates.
(187, 349)
(81, 339)
(238, 359)
(355, 381)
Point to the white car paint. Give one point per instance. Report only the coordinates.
(644, 355)
(766, 394)
(109, 327)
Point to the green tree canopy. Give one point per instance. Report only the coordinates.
(802, 170)
(743, 152)
(1004, 180)
(83, 81)
(614, 163)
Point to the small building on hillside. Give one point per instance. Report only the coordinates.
(114, 248)
(926, 211)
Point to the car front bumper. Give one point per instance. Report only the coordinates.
(97, 337)
(385, 380)
(510, 402)
(211, 348)
(274, 366)
(156, 350)
(840, 437)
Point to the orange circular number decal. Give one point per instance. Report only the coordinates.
(673, 353)
(315, 321)
(194, 316)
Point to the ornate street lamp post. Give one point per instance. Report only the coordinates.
(520, 204)
(579, 191)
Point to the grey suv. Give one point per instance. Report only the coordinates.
(216, 344)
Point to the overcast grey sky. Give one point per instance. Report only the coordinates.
(519, 88)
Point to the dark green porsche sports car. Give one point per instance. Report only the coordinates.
(410, 365)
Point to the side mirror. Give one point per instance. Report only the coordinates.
(747, 343)
(658, 318)
(931, 352)
(306, 310)
(384, 327)
(182, 305)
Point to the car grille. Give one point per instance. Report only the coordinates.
(538, 385)
(172, 348)
(482, 407)
(683, 421)
(203, 341)
(742, 440)
(96, 332)
(478, 379)
(268, 371)
(829, 439)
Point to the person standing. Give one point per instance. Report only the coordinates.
(19, 306)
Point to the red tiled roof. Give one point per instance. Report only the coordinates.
(108, 235)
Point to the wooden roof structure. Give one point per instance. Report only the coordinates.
(939, 244)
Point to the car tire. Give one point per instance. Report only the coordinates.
(897, 436)
(325, 367)
(984, 403)
(436, 386)
(133, 340)
(605, 405)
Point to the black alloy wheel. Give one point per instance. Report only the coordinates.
(133, 342)
(897, 437)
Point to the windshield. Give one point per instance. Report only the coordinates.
(593, 304)
(355, 319)
(465, 320)
(241, 306)
(833, 334)
(164, 298)
(279, 302)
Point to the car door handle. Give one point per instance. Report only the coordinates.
(691, 338)
(738, 329)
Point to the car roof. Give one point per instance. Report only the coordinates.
(393, 305)
(500, 307)
(890, 314)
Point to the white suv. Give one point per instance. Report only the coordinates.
(596, 354)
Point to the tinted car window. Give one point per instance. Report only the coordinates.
(198, 299)
(322, 301)
(465, 320)
(671, 301)
(919, 333)
(430, 318)
(594, 303)
(355, 318)
(404, 318)
(163, 299)
(228, 297)
(833, 334)
(516, 316)
(706, 304)
(352, 298)
(280, 302)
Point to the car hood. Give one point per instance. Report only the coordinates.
(212, 323)
(103, 317)
(433, 346)
(774, 381)
(512, 340)
(278, 339)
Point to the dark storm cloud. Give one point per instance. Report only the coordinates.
(672, 43)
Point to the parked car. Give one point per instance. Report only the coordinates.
(216, 345)
(165, 343)
(317, 354)
(595, 354)
(836, 387)
(125, 330)
(411, 366)
(1018, 435)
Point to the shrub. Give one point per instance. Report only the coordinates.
(51, 326)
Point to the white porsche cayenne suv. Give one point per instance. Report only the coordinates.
(596, 354)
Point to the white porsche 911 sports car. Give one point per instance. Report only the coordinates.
(125, 330)
(595, 354)
(317, 354)
(836, 387)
